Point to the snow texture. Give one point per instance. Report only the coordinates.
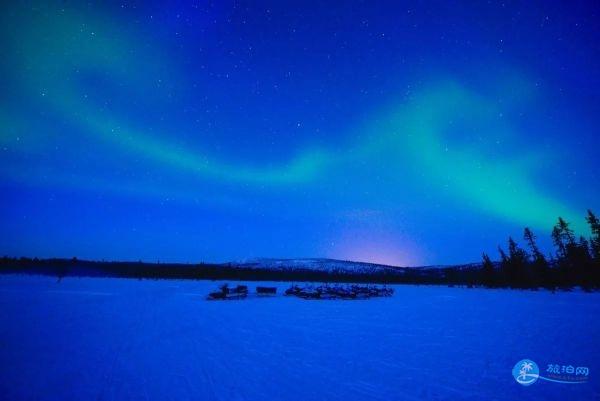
(122, 339)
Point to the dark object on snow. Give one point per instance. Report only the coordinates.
(241, 288)
(239, 292)
(216, 295)
(266, 290)
(293, 290)
(339, 292)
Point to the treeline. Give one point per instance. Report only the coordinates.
(575, 261)
(140, 270)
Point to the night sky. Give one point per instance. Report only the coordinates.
(405, 133)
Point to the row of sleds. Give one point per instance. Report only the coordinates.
(350, 291)
(239, 292)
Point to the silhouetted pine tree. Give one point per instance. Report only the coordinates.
(595, 228)
(518, 275)
(566, 248)
(530, 239)
(594, 223)
(539, 265)
(584, 247)
(563, 238)
(557, 240)
(488, 272)
(582, 262)
(504, 268)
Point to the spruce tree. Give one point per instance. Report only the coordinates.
(584, 247)
(567, 253)
(566, 232)
(504, 267)
(583, 264)
(539, 269)
(503, 257)
(595, 239)
(488, 271)
(517, 272)
(530, 239)
(594, 223)
(561, 249)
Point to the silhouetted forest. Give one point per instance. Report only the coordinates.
(575, 262)
(228, 271)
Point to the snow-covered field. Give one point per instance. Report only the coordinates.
(117, 339)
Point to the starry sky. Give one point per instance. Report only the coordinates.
(407, 133)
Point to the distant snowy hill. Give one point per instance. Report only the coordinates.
(318, 264)
(342, 266)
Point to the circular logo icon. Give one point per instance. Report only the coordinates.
(526, 372)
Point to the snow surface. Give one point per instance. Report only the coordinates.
(122, 339)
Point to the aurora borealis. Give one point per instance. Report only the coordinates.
(403, 134)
